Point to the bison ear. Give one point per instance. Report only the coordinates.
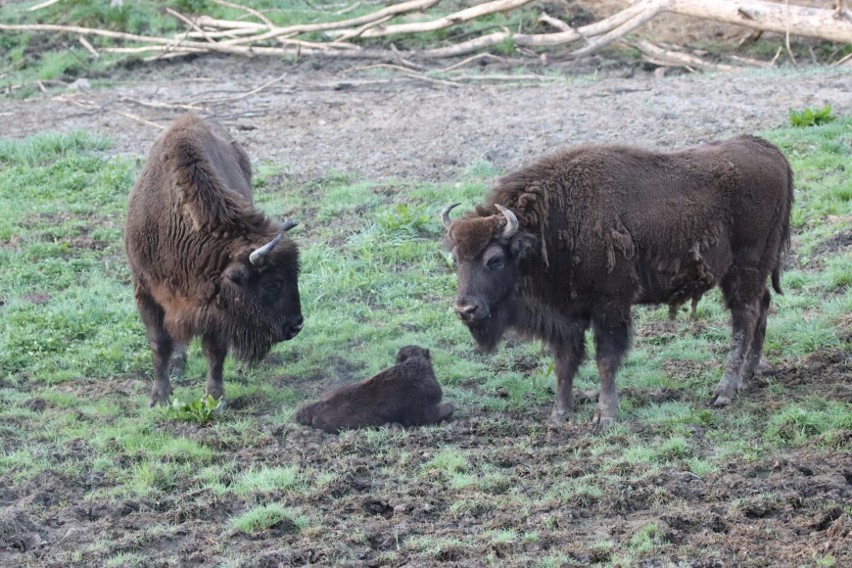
(236, 274)
(523, 245)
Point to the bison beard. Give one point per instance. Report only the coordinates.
(582, 235)
(488, 331)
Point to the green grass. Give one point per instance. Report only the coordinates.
(75, 371)
(269, 516)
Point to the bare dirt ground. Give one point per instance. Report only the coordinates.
(330, 119)
(374, 126)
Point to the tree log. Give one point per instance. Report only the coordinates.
(769, 16)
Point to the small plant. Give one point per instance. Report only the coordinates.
(201, 411)
(811, 116)
(269, 516)
(405, 219)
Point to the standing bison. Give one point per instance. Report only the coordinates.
(204, 261)
(580, 236)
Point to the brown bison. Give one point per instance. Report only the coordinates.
(407, 393)
(204, 261)
(580, 236)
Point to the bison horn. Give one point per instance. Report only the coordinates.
(445, 215)
(258, 257)
(511, 222)
(288, 224)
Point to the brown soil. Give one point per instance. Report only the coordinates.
(322, 119)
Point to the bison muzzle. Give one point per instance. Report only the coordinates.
(204, 261)
(576, 239)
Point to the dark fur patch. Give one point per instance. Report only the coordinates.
(407, 393)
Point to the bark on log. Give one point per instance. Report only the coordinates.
(769, 16)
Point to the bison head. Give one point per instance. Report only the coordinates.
(259, 294)
(489, 254)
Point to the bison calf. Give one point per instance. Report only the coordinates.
(577, 238)
(407, 393)
(204, 261)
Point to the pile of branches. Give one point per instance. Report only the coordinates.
(357, 37)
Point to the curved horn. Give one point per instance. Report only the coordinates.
(511, 222)
(258, 256)
(288, 224)
(445, 215)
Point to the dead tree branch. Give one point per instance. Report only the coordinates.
(350, 38)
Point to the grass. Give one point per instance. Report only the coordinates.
(75, 371)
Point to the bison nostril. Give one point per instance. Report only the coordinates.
(298, 323)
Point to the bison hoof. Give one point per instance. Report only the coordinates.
(559, 417)
(158, 400)
(601, 423)
(720, 400)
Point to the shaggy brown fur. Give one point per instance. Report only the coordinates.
(191, 227)
(604, 227)
(407, 393)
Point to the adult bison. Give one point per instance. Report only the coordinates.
(204, 261)
(580, 236)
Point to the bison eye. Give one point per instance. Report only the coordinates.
(495, 262)
(271, 286)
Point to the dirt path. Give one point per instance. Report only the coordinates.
(384, 126)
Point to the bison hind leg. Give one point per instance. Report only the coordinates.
(443, 411)
(432, 414)
(177, 362)
(748, 327)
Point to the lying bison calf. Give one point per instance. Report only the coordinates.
(407, 393)
(579, 237)
(204, 261)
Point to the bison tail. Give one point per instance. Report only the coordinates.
(785, 232)
(776, 280)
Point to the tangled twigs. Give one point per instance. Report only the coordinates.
(348, 37)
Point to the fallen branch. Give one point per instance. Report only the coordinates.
(666, 57)
(454, 19)
(209, 35)
(396, 9)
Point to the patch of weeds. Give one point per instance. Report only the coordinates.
(269, 479)
(201, 411)
(819, 422)
(270, 516)
(446, 462)
(811, 116)
(406, 219)
(838, 272)
(647, 539)
(444, 549)
(701, 467)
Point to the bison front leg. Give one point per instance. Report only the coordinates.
(569, 355)
(215, 351)
(612, 340)
(161, 344)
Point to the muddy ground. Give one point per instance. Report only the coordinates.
(321, 118)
